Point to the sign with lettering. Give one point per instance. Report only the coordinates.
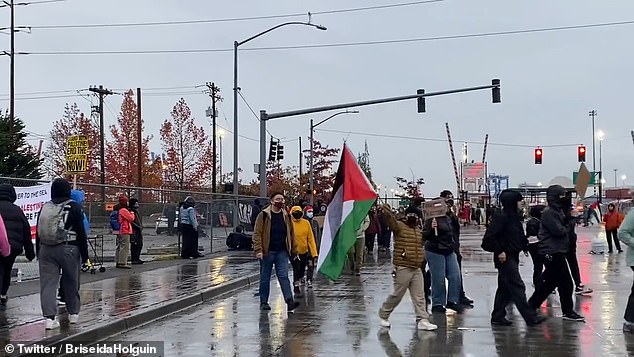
(434, 208)
(77, 149)
(30, 200)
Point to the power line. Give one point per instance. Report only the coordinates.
(232, 19)
(334, 45)
(443, 140)
(31, 3)
(252, 111)
(85, 89)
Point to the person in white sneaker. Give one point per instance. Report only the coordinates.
(408, 258)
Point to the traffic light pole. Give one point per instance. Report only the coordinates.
(264, 116)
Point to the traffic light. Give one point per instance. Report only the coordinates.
(273, 150)
(538, 156)
(495, 91)
(581, 153)
(421, 101)
(280, 151)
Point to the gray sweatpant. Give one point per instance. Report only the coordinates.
(51, 260)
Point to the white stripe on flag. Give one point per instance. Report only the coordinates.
(328, 234)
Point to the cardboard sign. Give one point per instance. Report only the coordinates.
(583, 180)
(77, 148)
(434, 208)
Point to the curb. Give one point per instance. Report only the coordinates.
(154, 313)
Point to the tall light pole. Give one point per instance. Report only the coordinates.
(600, 136)
(593, 114)
(311, 173)
(615, 183)
(237, 44)
(221, 134)
(623, 178)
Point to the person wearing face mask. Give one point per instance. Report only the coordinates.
(509, 240)
(612, 220)
(553, 245)
(309, 214)
(273, 240)
(136, 239)
(304, 250)
(407, 259)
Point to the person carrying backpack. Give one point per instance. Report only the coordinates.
(18, 235)
(61, 243)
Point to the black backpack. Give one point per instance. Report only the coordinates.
(532, 227)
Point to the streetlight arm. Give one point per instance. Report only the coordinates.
(320, 27)
(334, 115)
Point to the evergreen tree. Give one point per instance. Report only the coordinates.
(364, 163)
(17, 157)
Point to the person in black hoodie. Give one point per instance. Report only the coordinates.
(553, 245)
(440, 251)
(19, 234)
(509, 240)
(532, 231)
(67, 255)
(136, 239)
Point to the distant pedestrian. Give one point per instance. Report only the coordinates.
(304, 252)
(506, 233)
(238, 240)
(18, 235)
(571, 257)
(62, 245)
(356, 253)
(125, 218)
(626, 235)
(408, 258)
(189, 229)
(170, 213)
(136, 239)
(272, 242)
(532, 231)
(385, 235)
(374, 228)
(553, 246)
(612, 219)
(309, 214)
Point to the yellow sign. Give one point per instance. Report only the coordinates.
(77, 149)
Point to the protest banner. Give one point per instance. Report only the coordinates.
(30, 200)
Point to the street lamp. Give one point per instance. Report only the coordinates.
(237, 44)
(221, 135)
(623, 178)
(600, 136)
(311, 174)
(615, 171)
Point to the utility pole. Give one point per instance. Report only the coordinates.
(101, 92)
(12, 76)
(593, 114)
(301, 170)
(139, 133)
(214, 93)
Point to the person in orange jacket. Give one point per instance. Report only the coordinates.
(123, 239)
(304, 250)
(612, 220)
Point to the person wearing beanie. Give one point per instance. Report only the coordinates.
(304, 251)
(125, 230)
(507, 235)
(136, 239)
(60, 249)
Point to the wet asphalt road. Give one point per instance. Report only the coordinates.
(341, 318)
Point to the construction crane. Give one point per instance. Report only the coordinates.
(453, 159)
(484, 158)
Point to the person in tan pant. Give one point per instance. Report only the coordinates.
(407, 259)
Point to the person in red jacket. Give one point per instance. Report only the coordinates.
(612, 220)
(123, 239)
(373, 230)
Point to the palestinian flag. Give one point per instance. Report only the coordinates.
(353, 196)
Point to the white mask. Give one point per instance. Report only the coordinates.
(309, 214)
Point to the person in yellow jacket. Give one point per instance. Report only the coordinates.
(304, 250)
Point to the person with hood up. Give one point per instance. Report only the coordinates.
(440, 251)
(125, 231)
(304, 252)
(189, 229)
(136, 239)
(273, 240)
(626, 235)
(573, 263)
(18, 235)
(309, 214)
(409, 255)
(507, 234)
(553, 245)
(612, 220)
(532, 230)
(61, 245)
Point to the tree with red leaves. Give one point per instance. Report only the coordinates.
(73, 122)
(122, 151)
(188, 150)
(324, 159)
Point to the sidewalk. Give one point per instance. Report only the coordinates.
(129, 298)
(341, 319)
(155, 247)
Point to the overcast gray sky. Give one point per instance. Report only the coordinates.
(550, 80)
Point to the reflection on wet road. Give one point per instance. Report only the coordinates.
(341, 319)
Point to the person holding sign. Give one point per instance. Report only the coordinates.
(18, 234)
(440, 250)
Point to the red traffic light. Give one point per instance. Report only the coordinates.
(581, 153)
(538, 156)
